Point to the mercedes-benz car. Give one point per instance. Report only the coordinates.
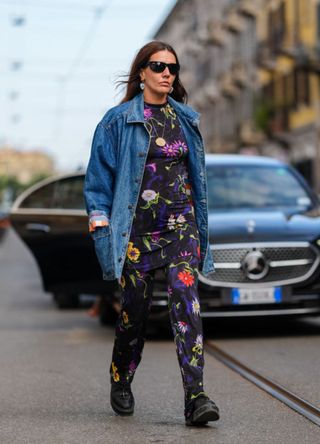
(265, 236)
(264, 223)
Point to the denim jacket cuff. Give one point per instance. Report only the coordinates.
(97, 218)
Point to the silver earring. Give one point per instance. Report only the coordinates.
(171, 89)
(142, 86)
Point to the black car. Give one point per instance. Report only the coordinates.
(51, 220)
(264, 233)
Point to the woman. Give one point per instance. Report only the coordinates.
(146, 197)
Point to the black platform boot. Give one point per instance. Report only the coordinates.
(200, 411)
(121, 397)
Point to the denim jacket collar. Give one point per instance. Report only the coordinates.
(135, 112)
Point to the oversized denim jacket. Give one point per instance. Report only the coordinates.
(114, 175)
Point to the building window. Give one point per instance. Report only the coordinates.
(318, 23)
(276, 24)
(203, 70)
(301, 88)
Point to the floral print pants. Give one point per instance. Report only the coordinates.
(184, 311)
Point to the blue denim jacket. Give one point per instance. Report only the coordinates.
(114, 175)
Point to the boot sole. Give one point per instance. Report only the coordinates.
(122, 412)
(202, 416)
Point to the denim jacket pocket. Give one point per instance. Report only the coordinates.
(104, 251)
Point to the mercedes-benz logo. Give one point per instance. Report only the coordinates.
(255, 265)
(251, 225)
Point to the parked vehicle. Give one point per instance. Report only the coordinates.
(265, 236)
(51, 220)
(264, 232)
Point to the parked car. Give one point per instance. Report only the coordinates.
(264, 225)
(50, 218)
(265, 236)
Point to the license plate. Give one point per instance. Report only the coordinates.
(256, 296)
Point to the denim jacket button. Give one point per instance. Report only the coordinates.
(120, 259)
(141, 154)
(129, 207)
(124, 233)
(137, 181)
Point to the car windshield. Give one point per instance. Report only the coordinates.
(255, 187)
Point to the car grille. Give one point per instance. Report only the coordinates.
(262, 263)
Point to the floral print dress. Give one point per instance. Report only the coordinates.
(164, 224)
(164, 234)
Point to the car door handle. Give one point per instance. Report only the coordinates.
(38, 227)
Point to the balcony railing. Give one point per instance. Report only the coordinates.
(248, 8)
(265, 57)
(216, 33)
(234, 22)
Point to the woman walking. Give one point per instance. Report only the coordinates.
(146, 197)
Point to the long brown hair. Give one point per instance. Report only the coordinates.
(143, 56)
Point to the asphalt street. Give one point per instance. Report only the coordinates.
(54, 383)
(285, 351)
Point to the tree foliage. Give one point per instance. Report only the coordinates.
(15, 187)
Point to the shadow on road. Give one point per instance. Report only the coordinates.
(261, 327)
(245, 328)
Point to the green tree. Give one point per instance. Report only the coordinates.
(15, 186)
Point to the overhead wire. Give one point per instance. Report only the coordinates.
(51, 9)
(76, 6)
(64, 78)
(74, 65)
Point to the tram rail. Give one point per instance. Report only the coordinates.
(295, 402)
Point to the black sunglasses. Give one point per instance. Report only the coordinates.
(161, 66)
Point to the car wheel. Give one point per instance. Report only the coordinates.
(108, 311)
(66, 300)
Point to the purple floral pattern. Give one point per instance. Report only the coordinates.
(184, 311)
(164, 222)
(164, 234)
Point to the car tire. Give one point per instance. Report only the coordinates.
(66, 300)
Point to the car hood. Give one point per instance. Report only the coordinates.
(263, 226)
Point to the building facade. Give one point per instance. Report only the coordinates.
(216, 43)
(288, 54)
(251, 67)
(24, 165)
